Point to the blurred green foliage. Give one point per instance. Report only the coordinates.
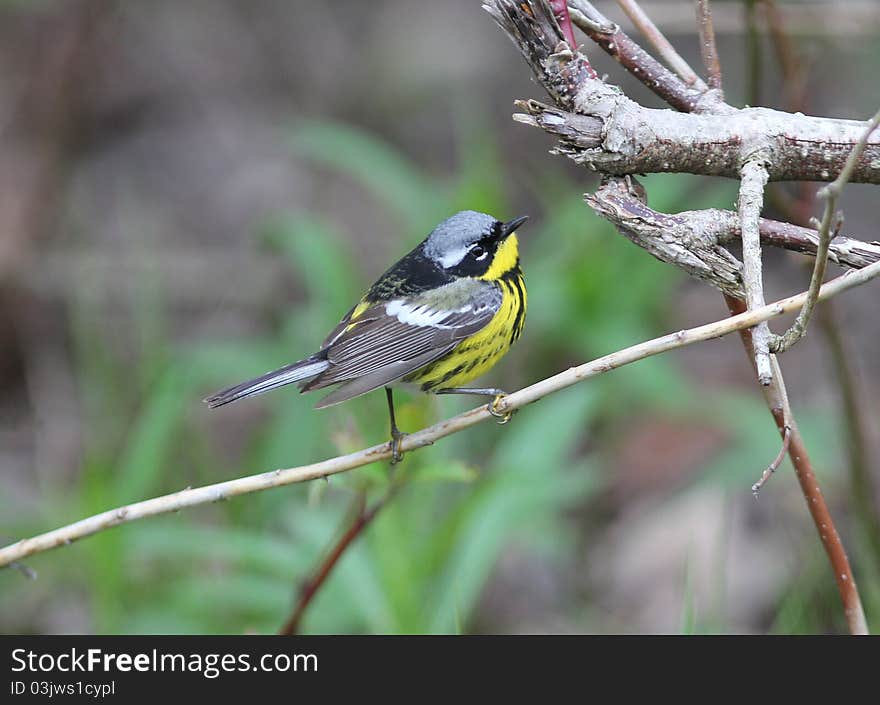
(423, 564)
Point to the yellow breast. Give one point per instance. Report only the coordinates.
(477, 354)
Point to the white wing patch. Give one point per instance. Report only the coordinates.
(420, 315)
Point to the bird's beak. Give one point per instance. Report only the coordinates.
(511, 225)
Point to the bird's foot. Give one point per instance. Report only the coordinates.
(502, 416)
(396, 453)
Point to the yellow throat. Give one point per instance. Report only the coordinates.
(506, 258)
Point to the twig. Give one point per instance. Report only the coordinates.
(692, 240)
(793, 65)
(507, 14)
(855, 415)
(313, 584)
(650, 31)
(708, 47)
(844, 251)
(753, 54)
(771, 468)
(585, 16)
(560, 10)
(776, 397)
(644, 67)
(427, 436)
(751, 199)
(830, 195)
(856, 412)
(794, 78)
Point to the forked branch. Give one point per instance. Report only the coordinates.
(827, 230)
(598, 127)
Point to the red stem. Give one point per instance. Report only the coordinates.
(560, 10)
(319, 576)
(803, 467)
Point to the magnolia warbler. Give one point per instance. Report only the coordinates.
(441, 316)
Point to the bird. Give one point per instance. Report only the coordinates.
(441, 316)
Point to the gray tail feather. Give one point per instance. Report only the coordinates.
(296, 372)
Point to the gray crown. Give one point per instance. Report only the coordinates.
(457, 232)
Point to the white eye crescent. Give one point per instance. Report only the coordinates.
(479, 252)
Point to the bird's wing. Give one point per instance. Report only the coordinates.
(391, 339)
(355, 315)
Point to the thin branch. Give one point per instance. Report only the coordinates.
(560, 10)
(588, 96)
(708, 47)
(856, 411)
(751, 199)
(313, 584)
(844, 251)
(692, 240)
(776, 397)
(777, 461)
(617, 44)
(753, 54)
(781, 343)
(830, 194)
(855, 414)
(425, 437)
(793, 65)
(650, 31)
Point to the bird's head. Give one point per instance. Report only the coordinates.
(472, 244)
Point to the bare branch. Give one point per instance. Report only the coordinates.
(793, 66)
(691, 240)
(278, 478)
(708, 48)
(650, 31)
(844, 251)
(560, 11)
(776, 397)
(754, 54)
(613, 134)
(659, 79)
(638, 140)
(362, 519)
(786, 143)
(751, 200)
(856, 412)
(687, 240)
(559, 68)
(777, 461)
(830, 194)
(857, 415)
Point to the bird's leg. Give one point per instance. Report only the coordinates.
(396, 435)
(503, 417)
